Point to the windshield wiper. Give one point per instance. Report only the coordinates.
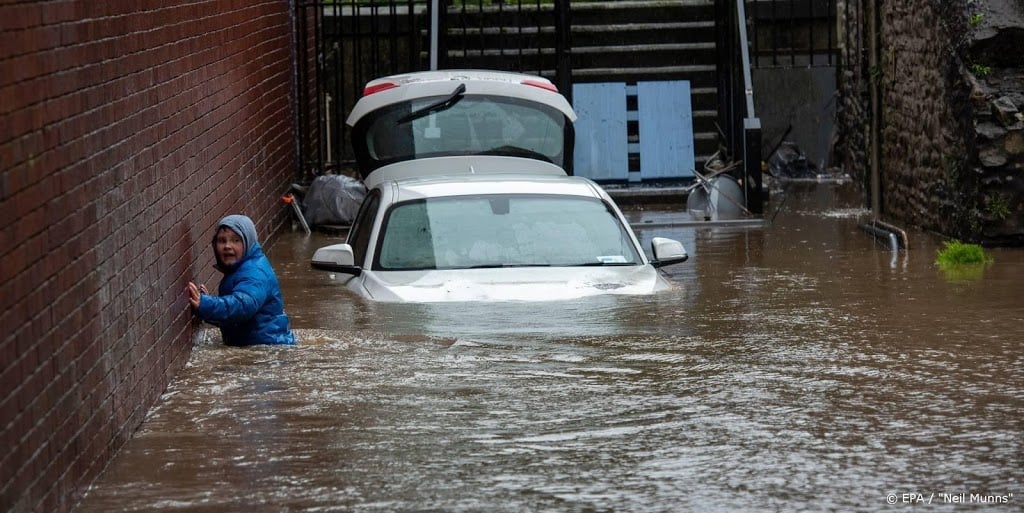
(433, 108)
(498, 266)
(601, 264)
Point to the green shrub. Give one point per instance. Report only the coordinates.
(981, 70)
(958, 253)
(998, 207)
(962, 262)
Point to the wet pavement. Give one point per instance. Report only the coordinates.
(798, 366)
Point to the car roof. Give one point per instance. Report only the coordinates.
(461, 165)
(493, 183)
(398, 88)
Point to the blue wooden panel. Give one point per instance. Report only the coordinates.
(666, 129)
(601, 141)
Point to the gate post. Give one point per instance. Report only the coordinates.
(563, 48)
(438, 27)
(752, 188)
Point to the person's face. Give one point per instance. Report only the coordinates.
(228, 246)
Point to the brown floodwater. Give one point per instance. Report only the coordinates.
(798, 366)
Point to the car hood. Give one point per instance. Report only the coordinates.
(512, 284)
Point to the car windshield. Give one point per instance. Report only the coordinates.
(465, 232)
(464, 125)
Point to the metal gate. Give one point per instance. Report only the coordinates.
(341, 45)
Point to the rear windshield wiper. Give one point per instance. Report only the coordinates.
(433, 108)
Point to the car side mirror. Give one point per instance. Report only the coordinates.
(337, 258)
(667, 252)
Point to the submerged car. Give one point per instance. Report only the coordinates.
(471, 198)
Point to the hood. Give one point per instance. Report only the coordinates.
(245, 229)
(520, 284)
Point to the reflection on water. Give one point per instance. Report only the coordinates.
(795, 367)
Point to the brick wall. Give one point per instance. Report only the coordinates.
(127, 129)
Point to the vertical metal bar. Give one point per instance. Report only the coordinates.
(318, 105)
(736, 87)
(563, 45)
(775, 33)
(519, 35)
(792, 32)
(303, 64)
(755, 29)
(410, 35)
(873, 65)
(392, 21)
(465, 29)
(811, 20)
(480, 27)
(442, 34)
(297, 27)
(332, 86)
(831, 17)
(748, 88)
(723, 67)
(501, 30)
(752, 184)
(341, 100)
(357, 48)
(434, 32)
(539, 60)
(751, 123)
(377, 35)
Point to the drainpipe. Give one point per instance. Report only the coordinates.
(296, 102)
(874, 79)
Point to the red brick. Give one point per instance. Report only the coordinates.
(120, 150)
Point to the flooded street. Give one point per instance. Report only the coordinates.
(799, 366)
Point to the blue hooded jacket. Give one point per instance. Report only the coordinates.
(249, 308)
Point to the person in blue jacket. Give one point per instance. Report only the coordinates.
(248, 306)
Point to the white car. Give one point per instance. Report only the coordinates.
(469, 198)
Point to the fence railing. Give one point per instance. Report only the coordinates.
(342, 44)
(792, 33)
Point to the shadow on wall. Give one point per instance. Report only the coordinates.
(802, 101)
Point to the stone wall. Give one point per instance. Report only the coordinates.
(127, 129)
(950, 145)
(850, 150)
(996, 74)
(923, 147)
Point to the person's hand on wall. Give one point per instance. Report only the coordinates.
(195, 293)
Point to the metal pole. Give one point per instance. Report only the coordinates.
(873, 77)
(293, 14)
(563, 48)
(741, 24)
(434, 16)
(752, 188)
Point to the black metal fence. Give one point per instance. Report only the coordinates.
(792, 33)
(342, 44)
(339, 47)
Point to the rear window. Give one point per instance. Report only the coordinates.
(467, 125)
